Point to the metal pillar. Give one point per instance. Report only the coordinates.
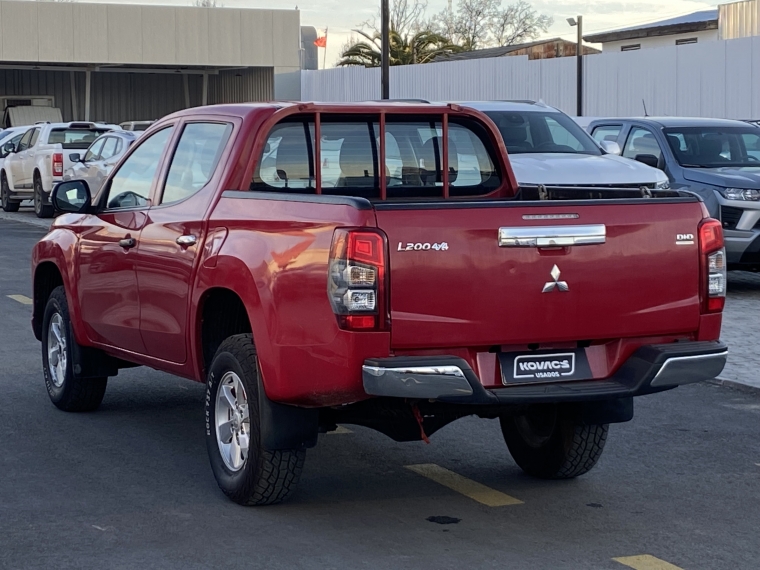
(186, 83)
(579, 58)
(204, 100)
(386, 50)
(74, 106)
(87, 86)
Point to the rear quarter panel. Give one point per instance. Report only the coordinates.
(275, 257)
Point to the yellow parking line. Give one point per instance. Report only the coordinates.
(467, 487)
(339, 431)
(23, 299)
(645, 562)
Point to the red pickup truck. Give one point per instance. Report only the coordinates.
(372, 264)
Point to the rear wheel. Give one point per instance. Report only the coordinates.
(245, 471)
(66, 391)
(40, 208)
(5, 196)
(547, 445)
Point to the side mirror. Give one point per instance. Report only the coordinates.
(75, 157)
(648, 159)
(71, 197)
(8, 148)
(610, 147)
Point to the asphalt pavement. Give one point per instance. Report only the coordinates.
(129, 486)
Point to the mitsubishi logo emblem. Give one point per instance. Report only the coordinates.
(556, 284)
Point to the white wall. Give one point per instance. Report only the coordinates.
(710, 79)
(82, 33)
(739, 19)
(661, 41)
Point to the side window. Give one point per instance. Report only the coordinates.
(24, 143)
(119, 146)
(607, 133)
(93, 153)
(287, 161)
(641, 141)
(109, 148)
(130, 186)
(35, 137)
(195, 160)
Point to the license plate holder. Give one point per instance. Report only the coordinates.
(544, 366)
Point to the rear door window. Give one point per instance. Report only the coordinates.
(35, 138)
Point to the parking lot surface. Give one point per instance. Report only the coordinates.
(130, 486)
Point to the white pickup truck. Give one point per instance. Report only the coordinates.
(38, 161)
(548, 148)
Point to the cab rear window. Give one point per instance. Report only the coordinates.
(75, 138)
(410, 157)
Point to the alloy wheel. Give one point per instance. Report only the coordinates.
(233, 423)
(57, 350)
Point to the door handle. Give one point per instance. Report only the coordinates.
(552, 236)
(128, 243)
(187, 241)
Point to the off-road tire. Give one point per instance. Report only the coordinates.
(266, 477)
(5, 196)
(75, 394)
(41, 209)
(562, 449)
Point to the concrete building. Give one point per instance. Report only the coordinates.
(120, 62)
(697, 27)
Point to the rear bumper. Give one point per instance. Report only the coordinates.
(450, 379)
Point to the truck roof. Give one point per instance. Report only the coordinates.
(245, 109)
(675, 121)
(523, 105)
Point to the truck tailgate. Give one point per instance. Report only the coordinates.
(453, 284)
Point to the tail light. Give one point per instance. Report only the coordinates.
(357, 277)
(713, 265)
(58, 164)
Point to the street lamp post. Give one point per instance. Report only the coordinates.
(579, 58)
(386, 52)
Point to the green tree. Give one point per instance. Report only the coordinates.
(421, 47)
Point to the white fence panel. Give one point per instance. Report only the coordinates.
(738, 79)
(711, 79)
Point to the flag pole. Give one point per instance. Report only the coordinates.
(324, 56)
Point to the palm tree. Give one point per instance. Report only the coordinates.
(422, 47)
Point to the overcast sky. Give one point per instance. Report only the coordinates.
(341, 16)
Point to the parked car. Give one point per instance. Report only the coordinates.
(39, 159)
(395, 297)
(716, 159)
(99, 160)
(547, 147)
(136, 125)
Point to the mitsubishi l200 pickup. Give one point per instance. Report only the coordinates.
(372, 264)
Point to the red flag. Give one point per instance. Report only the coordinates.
(321, 42)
